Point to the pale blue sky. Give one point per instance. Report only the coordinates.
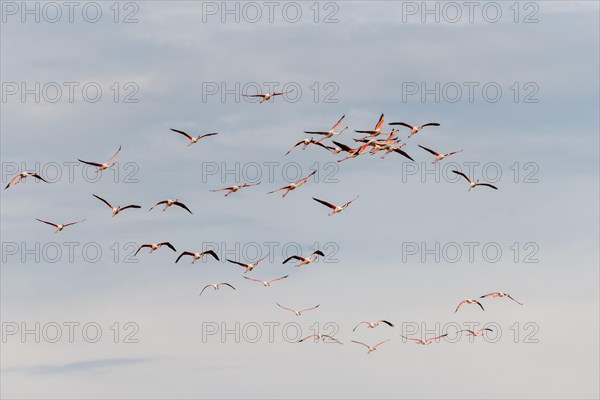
(368, 54)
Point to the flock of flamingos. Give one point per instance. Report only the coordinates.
(370, 143)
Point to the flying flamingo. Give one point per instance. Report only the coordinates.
(194, 139)
(266, 283)
(475, 183)
(334, 149)
(378, 144)
(169, 202)
(335, 209)
(215, 286)
(329, 133)
(118, 209)
(306, 142)
(248, 267)
(390, 145)
(439, 156)
(468, 301)
(373, 140)
(352, 153)
(425, 342)
(20, 177)
(59, 227)
(371, 348)
(297, 312)
(396, 149)
(197, 256)
(377, 131)
(155, 246)
(414, 129)
(294, 185)
(373, 324)
(478, 332)
(499, 294)
(266, 96)
(305, 260)
(102, 166)
(320, 336)
(235, 188)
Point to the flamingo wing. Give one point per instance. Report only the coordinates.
(16, 177)
(459, 304)
(366, 345)
(185, 253)
(429, 150)
(346, 204)
(486, 184)
(180, 204)
(321, 144)
(36, 175)
(493, 294)
(463, 175)
(212, 253)
(141, 247)
(104, 201)
(316, 132)
(222, 189)
(160, 202)
(226, 284)
(238, 263)
(292, 258)
(252, 279)
(207, 135)
(130, 206)
(402, 123)
(294, 146)
(405, 154)
(114, 155)
(168, 244)
(359, 324)
(183, 133)
(49, 223)
(408, 338)
(318, 252)
(379, 123)
(325, 203)
(337, 123)
(285, 308)
(278, 279)
(342, 146)
(513, 299)
(95, 164)
(304, 338)
(73, 223)
(281, 188)
(308, 176)
(367, 132)
(203, 289)
(256, 263)
(311, 308)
